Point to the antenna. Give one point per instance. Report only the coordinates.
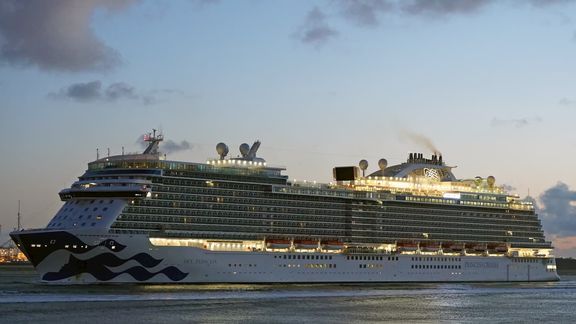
(153, 141)
(122, 150)
(19, 226)
(97, 155)
(108, 152)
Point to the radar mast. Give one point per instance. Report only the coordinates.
(153, 142)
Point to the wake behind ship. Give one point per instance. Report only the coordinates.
(141, 218)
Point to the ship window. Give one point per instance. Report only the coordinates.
(93, 224)
(80, 217)
(105, 209)
(101, 201)
(111, 201)
(83, 224)
(95, 209)
(91, 201)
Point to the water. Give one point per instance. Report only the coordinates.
(23, 299)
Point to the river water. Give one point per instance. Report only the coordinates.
(23, 299)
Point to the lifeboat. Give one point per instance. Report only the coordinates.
(497, 248)
(480, 248)
(502, 248)
(305, 244)
(456, 247)
(332, 245)
(278, 244)
(430, 247)
(406, 246)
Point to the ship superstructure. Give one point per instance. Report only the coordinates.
(142, 218)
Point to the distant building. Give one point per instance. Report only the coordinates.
(12, 255)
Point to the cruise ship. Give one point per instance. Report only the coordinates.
(141, 218)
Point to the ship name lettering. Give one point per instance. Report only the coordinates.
(200, 261)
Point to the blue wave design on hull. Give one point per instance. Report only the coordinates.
(97, 267)
(46, 239)
(110, 260)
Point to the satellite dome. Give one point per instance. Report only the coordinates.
(382, 164)
(491, 181)
(244, 149)
(222, 149)
(363, 164)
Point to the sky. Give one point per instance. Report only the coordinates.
(490, 84)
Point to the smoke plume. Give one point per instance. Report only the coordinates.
(420, 140)
(168, 146)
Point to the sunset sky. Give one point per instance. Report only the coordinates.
(491, 84)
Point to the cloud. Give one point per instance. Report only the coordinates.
(120, 90)
(84, 91)
(56, 35)
(315, 30)
(365, 12)
(443, 7)
(565, 243)
(94, 91)
(516, 122)
(508, 188)
(202, 3)
(566, 102)
(558, 210)
(368, 13)
(543, 3)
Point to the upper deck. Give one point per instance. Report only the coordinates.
(418, 180)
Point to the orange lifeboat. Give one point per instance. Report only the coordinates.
(497, 248)
(406, 246)
(502, 248)
(456, 247)
(332, 245)
(305, 244)
(430, 246)
(278, 244)
(480, 248)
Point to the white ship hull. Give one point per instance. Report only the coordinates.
(133, 259)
